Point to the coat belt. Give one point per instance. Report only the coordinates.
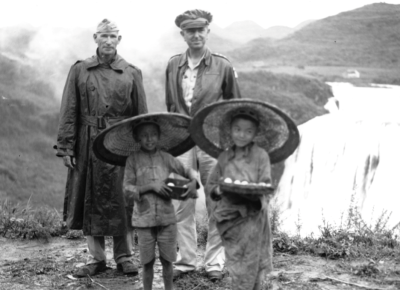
(99, 122)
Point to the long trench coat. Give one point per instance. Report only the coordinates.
(95, 96)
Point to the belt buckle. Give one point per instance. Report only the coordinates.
(101, 123)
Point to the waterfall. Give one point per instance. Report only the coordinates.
(348, 157)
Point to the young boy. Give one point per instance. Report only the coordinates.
(242, 219)
(153, 213)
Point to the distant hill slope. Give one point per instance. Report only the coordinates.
(277, 31)
(368, 36)
(302, 98)
(241, 32)
(29, 169)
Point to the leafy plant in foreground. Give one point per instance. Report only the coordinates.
(29, 223)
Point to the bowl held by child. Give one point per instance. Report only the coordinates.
(245, 187)
(178, 186)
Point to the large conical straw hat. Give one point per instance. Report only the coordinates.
(277, 134)
(116, 143)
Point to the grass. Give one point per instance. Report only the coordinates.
(26, 222)
(352, 238)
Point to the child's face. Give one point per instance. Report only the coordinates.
(243, 131)
(148, 136)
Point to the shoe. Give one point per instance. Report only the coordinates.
(91, 269)
(215, 275)
(128, 268)
(178, 274)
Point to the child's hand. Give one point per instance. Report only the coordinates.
(162, 189)
(216, 194)
(191, 192)
(129, 194)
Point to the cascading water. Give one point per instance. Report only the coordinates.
(347, 158)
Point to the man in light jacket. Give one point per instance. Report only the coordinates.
(195, 79)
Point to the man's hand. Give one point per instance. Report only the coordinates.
(69, 161)
(191, 192)
(161, 189)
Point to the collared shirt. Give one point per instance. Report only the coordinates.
(254, 166)
(143, 168)
(215, 81)
(189, 80)
(103, 63)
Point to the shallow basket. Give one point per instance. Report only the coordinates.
(178, 189)
(245, 189)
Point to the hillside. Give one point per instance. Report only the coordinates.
(302, 98)
(277, 31)
(367, 36)
(29, 169)
(241, 32)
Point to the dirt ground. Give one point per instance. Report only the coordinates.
(40, 265)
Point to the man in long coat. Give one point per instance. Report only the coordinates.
(99, 91)
(195, 79)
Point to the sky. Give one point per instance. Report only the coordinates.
(150, 16)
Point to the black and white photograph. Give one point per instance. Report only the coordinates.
(215, 145)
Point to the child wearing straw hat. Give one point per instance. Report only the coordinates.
(153, 214)
(244, 131)
(149, 140)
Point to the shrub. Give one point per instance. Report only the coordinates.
(352, 238)
(29, 223)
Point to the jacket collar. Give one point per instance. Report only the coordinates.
(118, 64)
(183, 59)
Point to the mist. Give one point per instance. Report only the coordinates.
(49, 53)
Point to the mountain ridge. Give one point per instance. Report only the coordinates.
(365, 36)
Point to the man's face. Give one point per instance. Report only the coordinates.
(148, 137)
(107, 42)
(196, 38)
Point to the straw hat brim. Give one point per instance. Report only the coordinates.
(277, 134)
(116, 143)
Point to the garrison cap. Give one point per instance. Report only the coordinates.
(107, 25)
(193, 19)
